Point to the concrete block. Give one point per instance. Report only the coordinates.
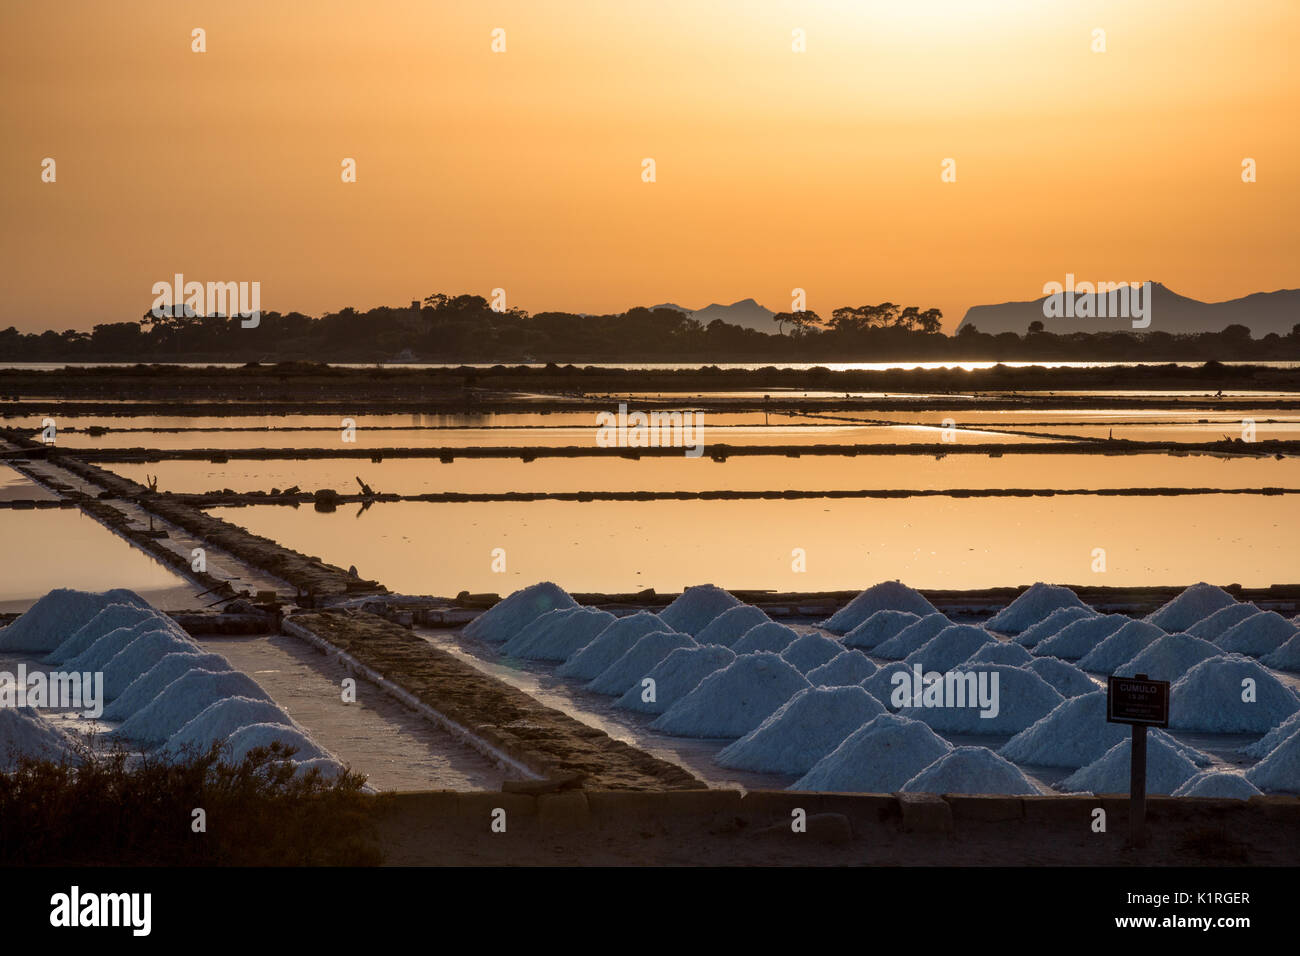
(925, 813)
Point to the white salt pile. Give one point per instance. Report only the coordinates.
(1079, 637)
(949, 647)
(219, 720)
(141, 691)
(1259, 634)
(1194, 604)
(25, 733)
(911, 637)
(51, 620)
(1068, 680)
(1279, 772)
(733, 701)
(971, 770)
(1033, 605)
(810, 651)
(1208, 698)
(771, 637)
(729, 626)
(1121, 647)
(507, 617)
(182, 700)
(1209, 628)
(1168, 658)
(1286, 657)
(556, 635)
(879, 628)
(128, 616)
(1231, 786)
(246, 739)
(1073, 735)
(696, 608)
(878, 758)
(627, 672)
(1002, 652)
(1052, 624)
(138, 657)
(848, 667)
(1266, 744)
(885, 596)
(1020, 699)
(806, 728)
(327, 767)
(676, 676)
(98, 655)
(609, 645)
(1167, 769)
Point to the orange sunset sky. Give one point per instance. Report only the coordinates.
(522, 169)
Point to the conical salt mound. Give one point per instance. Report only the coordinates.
(246, 739)
(882, 683)
(109, 619)
(1073, 735)
(878, 758)
(950, 647)
(182, 700)
(1286, 657)
(1266, 744)
(1229, 786)
(1168, 658)
(1121, 647)
(1194, 604)
(811, 651)
(971, 770)
(24, 733)
(1078, 638)
(697, 608)
(98, 655)
(849, 667)
(1279, 772)
(1167, 769)
(885, 596)
(911, 637)
(729, 626)
(138, 657)
(1257, 635)
(1033, 605)
(219, 720)
(145, 688)
(556, 635)
(507, 618)
(1068, 680)
(1209, 628)
(1208, 698)
(806, 728)
(609, 645)
(986, 699)
(999, 652)
(676, 676)
(771, 637)
(57, 616)
(878, 628)
(628, 671)
(1052, 624)
(733, 701)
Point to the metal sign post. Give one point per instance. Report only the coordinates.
(1142, 703)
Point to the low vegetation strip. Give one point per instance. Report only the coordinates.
(547, 741)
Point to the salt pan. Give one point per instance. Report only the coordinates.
(1052, 624)
(676, 676)
(771, 636)
(609, 645)
(878, 758)
(1122, 646)
(628, 671)
(506, 618)
(971, 770)
(1167, 769)
(696, 608)
(885, 596)
(730, 625)
(1079, 637)
(1208, 698)
(1033, 605)
(811, 651)
(1194, 604)
(1259, 634)
(806, 728)
(879, 628)
(733, 701)
(911, 637)
(849, 667)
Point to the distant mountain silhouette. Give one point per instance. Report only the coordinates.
(1261, 312)
(746, 313)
